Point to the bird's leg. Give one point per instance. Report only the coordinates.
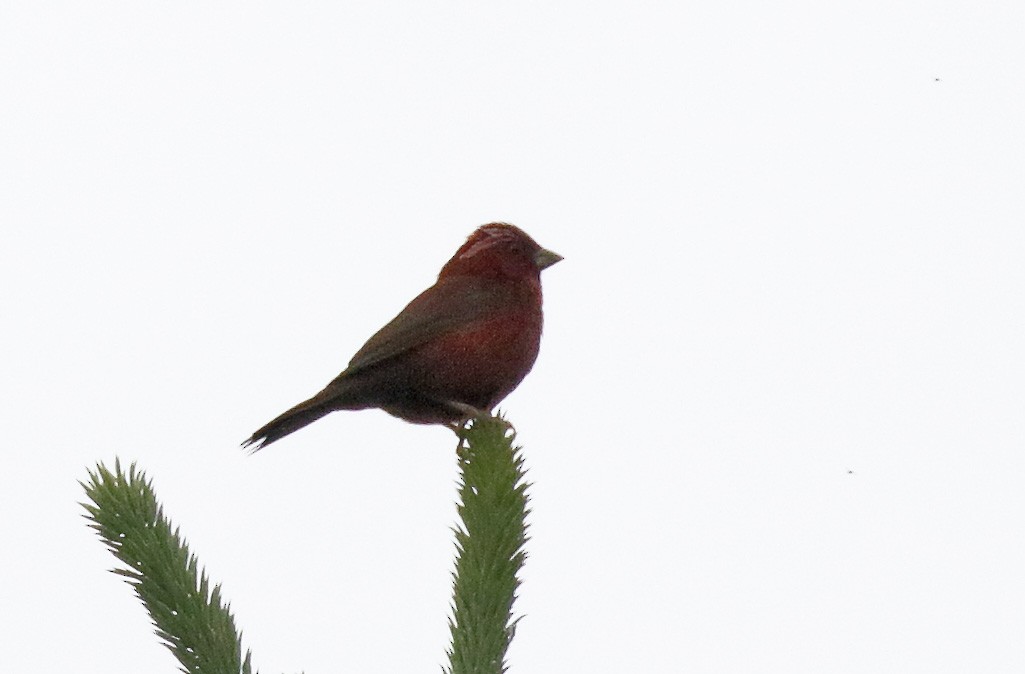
(466, 413)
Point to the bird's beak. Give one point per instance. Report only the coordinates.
(545, 258)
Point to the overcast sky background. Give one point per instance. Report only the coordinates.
(778, 419)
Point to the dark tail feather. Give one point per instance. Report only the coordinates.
(301, 415)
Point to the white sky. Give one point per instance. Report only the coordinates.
(777, 420)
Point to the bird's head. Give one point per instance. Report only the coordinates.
(500, 250)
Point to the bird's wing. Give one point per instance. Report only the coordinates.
(451, 303)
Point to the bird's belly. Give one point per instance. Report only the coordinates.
(482, 363)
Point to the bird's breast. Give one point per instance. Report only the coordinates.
(483, 361)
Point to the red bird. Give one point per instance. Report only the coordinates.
(455, 351)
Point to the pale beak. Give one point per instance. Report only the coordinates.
(545, 258)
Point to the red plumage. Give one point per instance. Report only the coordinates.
(456, 350)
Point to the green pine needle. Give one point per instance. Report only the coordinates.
(187, 614)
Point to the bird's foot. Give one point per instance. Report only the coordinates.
(466, 414)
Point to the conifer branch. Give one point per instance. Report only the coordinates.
(187, 614)
(489, 547)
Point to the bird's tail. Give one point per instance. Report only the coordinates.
(289, 422)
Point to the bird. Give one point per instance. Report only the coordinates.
(454, 352)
